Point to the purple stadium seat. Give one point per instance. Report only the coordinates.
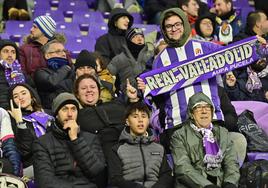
(4, 36)
(18, 27)
(83, 17)
(97, 29)
(147, 28)
(240, 3)
(79, 5)
(41, 4)
(69, 29)
(76, 44)
(57, 15)
(137, 18)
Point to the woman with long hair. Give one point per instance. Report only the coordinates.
(29, 122)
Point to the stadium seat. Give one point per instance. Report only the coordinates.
(69, 29)
(18, 27)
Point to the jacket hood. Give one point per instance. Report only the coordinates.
(209, 16)
(116, 13)
(127, 137)
(186, 25)
(196, 99)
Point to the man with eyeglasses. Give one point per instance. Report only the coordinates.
(59, 68)
(173, 105)
(202, 150)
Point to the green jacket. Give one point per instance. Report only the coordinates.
(188, 153)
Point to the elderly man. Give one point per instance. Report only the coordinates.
(67, 157)
(59, 68)
(202, 151)
(31, 57)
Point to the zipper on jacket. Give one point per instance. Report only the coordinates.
(144, 164)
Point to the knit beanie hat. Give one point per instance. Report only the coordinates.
(46, 24)
(133, 32)
(85, 58)
(6, 42)
(63, 99)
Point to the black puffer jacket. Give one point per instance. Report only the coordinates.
(61, 163)
(110, 44)
(4, 99)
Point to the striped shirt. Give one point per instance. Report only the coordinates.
(176, 101)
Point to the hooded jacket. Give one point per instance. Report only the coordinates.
(138, 162)
(188, 154)
(110, 44)
(186, 26)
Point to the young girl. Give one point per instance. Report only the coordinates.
(28, 122)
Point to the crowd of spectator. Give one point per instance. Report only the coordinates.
(85, 122)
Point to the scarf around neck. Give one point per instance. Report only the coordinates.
(40, 121)
(213, 155)
(13, 72)
(57, 62)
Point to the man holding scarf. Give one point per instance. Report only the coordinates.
(202, 151)
(58, 69)
(173, 105)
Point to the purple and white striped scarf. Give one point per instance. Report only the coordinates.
(40, 122)
(213, 155)
(13, 72)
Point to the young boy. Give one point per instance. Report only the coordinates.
(137, 161)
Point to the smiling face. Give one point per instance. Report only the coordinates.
(202, 115)
(22, 96)
(122, 23)
(88, 92)
(191, 8)
(222, 7)
(138, 121)
(174, 27)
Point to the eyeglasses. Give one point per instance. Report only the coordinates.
(200, 108)
(59, 52)
(177, 25)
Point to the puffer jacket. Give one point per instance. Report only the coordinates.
(138, 162)
(110, 44)
(61, 163)
(4, 97)
(188, 153)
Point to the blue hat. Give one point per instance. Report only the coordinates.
(46, 24)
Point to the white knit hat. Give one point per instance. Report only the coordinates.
(46, 24)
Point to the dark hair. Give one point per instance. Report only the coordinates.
(103, 62)
(133, 107)
(252, 18)
(183, 2)
(226, 1)
(82, 77)
(36, 103)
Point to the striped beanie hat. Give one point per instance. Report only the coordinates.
(46, 24)
(133, 32)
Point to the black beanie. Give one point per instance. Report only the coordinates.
(85, 58)
(209, 16)
(6, 42)
(133, 32)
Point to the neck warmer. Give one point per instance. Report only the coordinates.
(213, 155)
(134, 48)
(40, 121)
(192, 19)
(13, 72)
(253, 81)
(56, 62)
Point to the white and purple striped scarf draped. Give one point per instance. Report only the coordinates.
(13, 72)
(40, 122)
(213, 155)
